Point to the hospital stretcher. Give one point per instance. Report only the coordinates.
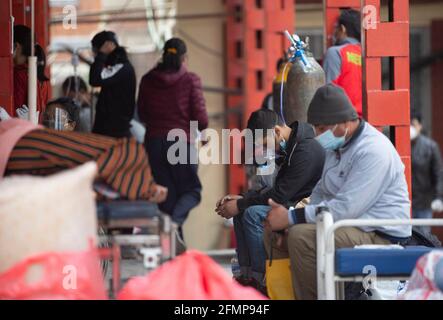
(335, 267)
(156, 244)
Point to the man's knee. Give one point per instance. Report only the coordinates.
(254, 215)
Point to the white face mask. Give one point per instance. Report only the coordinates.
(413, 133)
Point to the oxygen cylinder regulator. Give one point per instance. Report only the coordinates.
(297, 52)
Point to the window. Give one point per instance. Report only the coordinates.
(315, 41)
(421, 76)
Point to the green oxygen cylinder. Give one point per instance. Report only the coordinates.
(297, 82)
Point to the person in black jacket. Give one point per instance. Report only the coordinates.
(302, 160)
(427, 174)
(113, 72)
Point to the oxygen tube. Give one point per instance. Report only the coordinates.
(296, 52)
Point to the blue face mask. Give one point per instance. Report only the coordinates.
(331, 142)
(283, 145)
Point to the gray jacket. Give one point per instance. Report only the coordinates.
(364, 180)
(427, 172)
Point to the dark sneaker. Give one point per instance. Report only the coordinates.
(259, 287)
(246, 282)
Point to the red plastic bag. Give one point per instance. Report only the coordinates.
(191, 276)
(421, 285)
(55, 276)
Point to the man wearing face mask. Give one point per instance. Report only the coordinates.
(301, 164)
(342, 62)
(363, 178)
(427, 174)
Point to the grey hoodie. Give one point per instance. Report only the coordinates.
(364, 180)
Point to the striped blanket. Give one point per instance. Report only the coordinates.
(122, 163)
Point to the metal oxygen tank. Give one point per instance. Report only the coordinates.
(297, 82)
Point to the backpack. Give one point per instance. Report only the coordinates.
(420, 238)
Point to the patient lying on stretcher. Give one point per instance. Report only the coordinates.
(123, 164)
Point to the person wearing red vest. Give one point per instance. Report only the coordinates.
(343, 62)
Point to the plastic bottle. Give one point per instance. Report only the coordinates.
(235, 267)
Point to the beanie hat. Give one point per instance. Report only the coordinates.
(330, 105)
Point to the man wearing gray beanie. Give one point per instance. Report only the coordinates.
(363, 178)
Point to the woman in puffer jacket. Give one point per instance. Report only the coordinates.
(170, 97)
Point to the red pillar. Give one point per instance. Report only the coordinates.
(6, 89)
(389, 107)
(389, 39)
(254, 43)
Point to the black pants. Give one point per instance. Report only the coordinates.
(184, 187)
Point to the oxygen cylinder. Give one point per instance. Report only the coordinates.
(296, 83)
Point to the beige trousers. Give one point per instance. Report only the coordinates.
(299, 245)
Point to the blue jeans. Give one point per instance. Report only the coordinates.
(251, 252)
(422, 214)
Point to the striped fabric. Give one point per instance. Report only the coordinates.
(122, 163)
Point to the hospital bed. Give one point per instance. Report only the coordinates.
(335, 267)
(156, 244)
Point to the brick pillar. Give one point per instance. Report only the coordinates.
(254, 43)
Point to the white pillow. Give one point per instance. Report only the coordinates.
(47, 214)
